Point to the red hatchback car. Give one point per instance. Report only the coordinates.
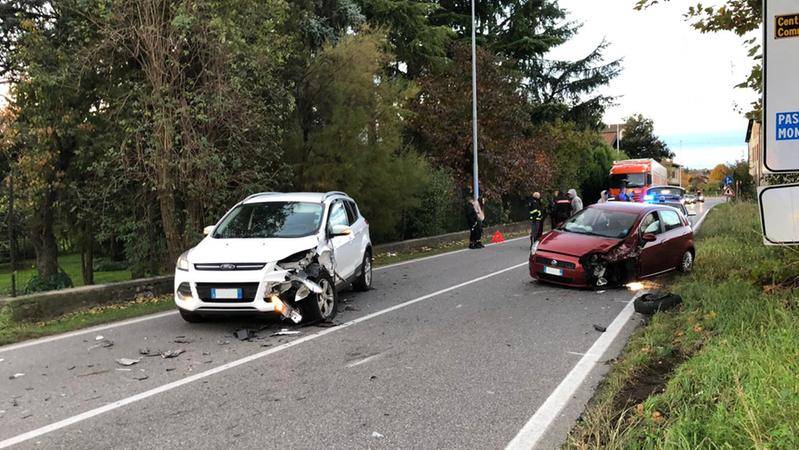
(613, 243)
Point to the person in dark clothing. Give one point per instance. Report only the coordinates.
(474, 218)
(561, 210)
(536, 218)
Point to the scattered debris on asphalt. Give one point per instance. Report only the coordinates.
(70, 367)
(148, 352)
(96, 372)
(1, 359)
(373, 377)
(244, 334)
(99, 337)
(651, 302)
(182, 340)
(140, 377)
(285, 332)
(377, 435)
(16, 375)
(351, 308)
(223, 342)
(123, 370)
(327, 324)
(170, 369)
(600, 328)
(600, 292)
(104, 343)
(172, 353)
(128, 361)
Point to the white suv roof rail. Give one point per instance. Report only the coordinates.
(331, 193)
(259, 193)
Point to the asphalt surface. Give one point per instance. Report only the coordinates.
(455, 351)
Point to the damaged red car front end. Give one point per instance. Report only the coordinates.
(612, 244)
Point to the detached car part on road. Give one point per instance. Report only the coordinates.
(285, 253)
(614, 243)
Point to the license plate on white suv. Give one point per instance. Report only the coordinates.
(226, 293)
(553, 271)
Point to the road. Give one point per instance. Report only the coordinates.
(459, 350)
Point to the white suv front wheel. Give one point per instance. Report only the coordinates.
(322, 306)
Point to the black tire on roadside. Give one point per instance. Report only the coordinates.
(320, 307)
(190, 317)
(364, 281)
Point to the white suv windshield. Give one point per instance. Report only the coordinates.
(271, 220)
(597, 222)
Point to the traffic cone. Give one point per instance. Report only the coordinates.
(497, 238)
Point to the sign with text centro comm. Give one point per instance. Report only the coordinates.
(779, 214)
(781, 96)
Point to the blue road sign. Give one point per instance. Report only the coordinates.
(728, 180)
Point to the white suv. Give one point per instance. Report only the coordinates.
(286, 253)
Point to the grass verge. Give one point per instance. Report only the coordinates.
(719, 372)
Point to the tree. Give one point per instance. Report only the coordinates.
(353, 139)
(719, 172)
(563, 89)
(415, 41)
(511, 158)
(639, 140)
(203, 104)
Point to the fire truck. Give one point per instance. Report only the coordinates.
(638, 175)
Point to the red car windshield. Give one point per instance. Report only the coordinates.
(600, 222)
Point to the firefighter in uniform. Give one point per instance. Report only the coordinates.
(536, 218)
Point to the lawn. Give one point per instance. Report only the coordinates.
(721, 371)
(69, 263)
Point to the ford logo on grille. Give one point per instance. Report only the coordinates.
(554, 262)
(227, 266)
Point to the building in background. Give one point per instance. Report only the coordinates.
(753, 141)
(613, 134)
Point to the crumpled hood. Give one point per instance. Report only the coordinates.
(211, 251)
(575, 244)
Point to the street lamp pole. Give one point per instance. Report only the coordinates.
(474, 108)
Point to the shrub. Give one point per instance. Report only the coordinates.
(40, 284)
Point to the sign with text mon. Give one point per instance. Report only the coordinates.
(780, 93)
(778, 214)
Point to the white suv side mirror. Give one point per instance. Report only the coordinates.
(340, 230)
(208, 230)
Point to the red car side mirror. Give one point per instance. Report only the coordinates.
(649, 237)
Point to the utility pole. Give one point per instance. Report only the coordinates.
(474, 108)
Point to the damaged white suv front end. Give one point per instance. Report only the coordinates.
(277, 253)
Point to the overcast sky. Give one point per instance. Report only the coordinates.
(680, 78)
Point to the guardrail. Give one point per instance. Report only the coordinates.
(52, 304)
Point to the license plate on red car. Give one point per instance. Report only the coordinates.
(553, 271)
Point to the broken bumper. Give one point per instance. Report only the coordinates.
(557, 268)
(271, 289)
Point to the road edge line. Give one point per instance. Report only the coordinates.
(20, 438)
(548, 412)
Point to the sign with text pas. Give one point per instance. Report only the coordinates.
(780, 95)
(778, 206)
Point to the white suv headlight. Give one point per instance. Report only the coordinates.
(183, 261)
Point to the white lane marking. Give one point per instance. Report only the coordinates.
(95, 329)
(454, 252)
(363, 361)
(199, 376)
(698, 224)
(538, 424)
(89, 330)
